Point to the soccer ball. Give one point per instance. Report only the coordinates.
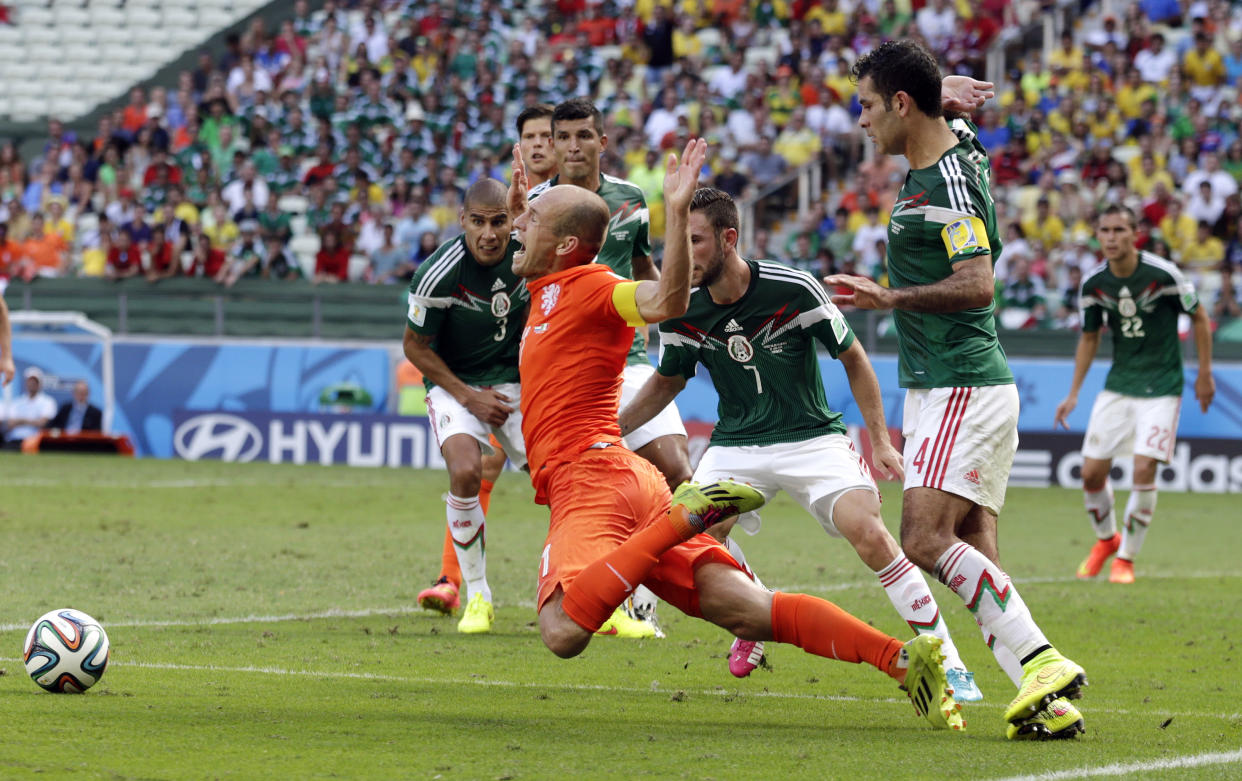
(66, 651)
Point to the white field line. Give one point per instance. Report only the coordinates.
(655, 686)
(1152, 766)
(811, 588)
(188, 482)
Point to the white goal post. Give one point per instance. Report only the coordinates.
(70, 327)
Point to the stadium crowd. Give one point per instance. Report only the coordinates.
(339, 145)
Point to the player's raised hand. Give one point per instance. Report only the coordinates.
(681, 178)
(7, 369)
(519, 185)
(1061, 418)
(962, 93)
(866, 294)
(1205, 390)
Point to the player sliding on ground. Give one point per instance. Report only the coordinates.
(754, 325)
(612, 523)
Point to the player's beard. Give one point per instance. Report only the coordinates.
(711, 272)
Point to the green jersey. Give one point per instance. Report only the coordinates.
(760, 353)
(627, 235)
(474, 312)
(1141, 310)
(944, 214)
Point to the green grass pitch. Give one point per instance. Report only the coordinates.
(263, 624)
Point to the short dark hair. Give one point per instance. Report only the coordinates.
(1117, 208)
(717, 206)
(578, 108)
(487, 193)
(902, 66)
(537, 111)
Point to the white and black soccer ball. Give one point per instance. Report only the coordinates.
(66, 651)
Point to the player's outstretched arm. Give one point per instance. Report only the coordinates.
(968, 287)
(487, 405)
(1088, 345)
(866, 390)
(658, 301)
(1205, 384)
(7, 369)
(654, 396)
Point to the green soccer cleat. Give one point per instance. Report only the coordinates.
(620, 624)
(926, 685)
(709, 504)
(478, 616)
(1059, 720)
(1045, 678)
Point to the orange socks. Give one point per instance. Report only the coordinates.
(819, 627)
(448, 557)
(485, 494)
(597, 590)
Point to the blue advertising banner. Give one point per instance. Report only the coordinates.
(153, 379)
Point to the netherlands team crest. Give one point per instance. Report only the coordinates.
(548, 299)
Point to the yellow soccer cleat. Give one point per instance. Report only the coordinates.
(1059, 720)
(926, 685)
(620, 624)
(478, 616)
(1045, 678)
(710, 503)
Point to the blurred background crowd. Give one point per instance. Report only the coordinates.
(337, 146)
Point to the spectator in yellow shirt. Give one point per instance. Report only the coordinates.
(1132, 94)
(1045, 228)
(797, 143)
(1143, 182)
(1203, 65)
(685, 42)
(832, 20)
(1179, 229)
(1067, 55)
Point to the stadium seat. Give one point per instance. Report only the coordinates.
(31, 17)
(293, 204)
(358, 264)
(142, 20)
(71, 15)
(24, 108)
(177, 17)
(105, 16)
(214, 18)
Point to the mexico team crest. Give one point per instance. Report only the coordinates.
(740, 349)
(501, 304)
(548, 299)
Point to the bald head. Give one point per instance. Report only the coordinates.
(486, 194)
(580, 213)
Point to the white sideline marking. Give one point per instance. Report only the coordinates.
(406, 610)
(253, 619)
(1118, 769)
(188, 482)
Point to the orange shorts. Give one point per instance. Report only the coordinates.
(598, 501)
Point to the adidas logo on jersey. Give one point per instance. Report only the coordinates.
(972, 476)
(499, 284)
(732, 326)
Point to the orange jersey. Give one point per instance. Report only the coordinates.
(577, 335)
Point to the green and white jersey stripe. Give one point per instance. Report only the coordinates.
(474, 312)
(760, 353)
(1141, 310)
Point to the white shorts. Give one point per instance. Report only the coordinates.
(961, 440)
(449, 418)
(807, 471)
(667, 421)
(1128, 425)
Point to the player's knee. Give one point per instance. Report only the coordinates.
(560, 634)
(733, 602)
(465, 479)
(921, 548)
